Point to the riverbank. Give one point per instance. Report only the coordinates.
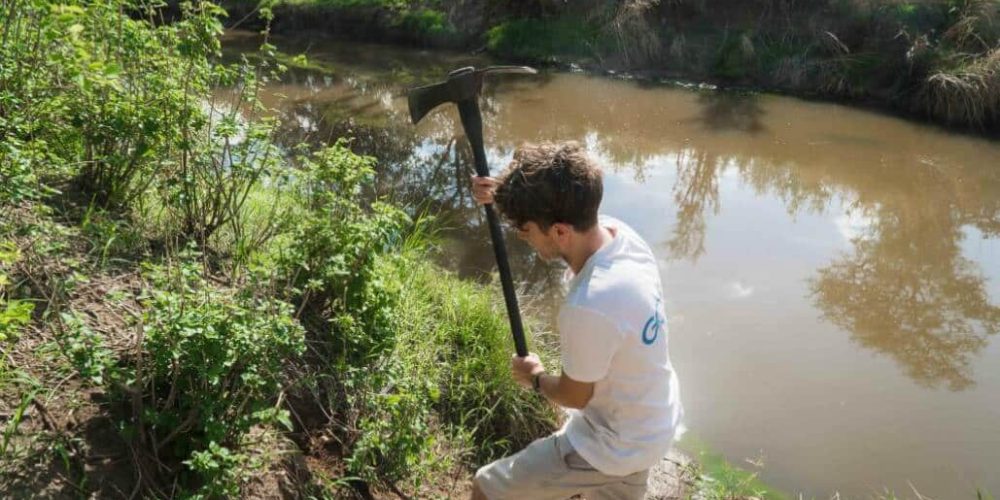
(190, 310)
(935, 60)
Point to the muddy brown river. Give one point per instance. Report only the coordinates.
(832, 275)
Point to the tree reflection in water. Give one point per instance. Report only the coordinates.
(909, 293)
(696, 192)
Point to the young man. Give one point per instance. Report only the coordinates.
(617, 383)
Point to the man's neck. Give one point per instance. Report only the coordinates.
(588, 243)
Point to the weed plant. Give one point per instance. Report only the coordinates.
(14, 314)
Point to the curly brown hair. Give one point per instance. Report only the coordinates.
(548, 183)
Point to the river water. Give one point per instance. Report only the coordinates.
(832, 275)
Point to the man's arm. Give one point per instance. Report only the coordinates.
(560, 389)
(565, 391)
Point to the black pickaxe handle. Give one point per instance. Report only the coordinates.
(472, 122)
(462, 88)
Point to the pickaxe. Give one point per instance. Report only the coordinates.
(462, 88)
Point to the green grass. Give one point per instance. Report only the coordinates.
(715, 478)
(456, 333)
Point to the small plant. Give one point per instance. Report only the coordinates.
(13, 313)
(18, 162)
(395, 437)
(222, 469)
(86, 351)
(715, 478)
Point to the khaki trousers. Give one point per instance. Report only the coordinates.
(550, 469)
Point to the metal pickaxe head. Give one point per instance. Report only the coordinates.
(463, 84)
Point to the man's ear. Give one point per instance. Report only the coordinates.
(562, 230)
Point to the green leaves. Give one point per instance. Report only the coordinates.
(86, 351)
(13, 313)
(225, 351)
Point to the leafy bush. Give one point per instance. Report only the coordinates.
(213, 361)
(99, 90)
(227, 155)
(17, 173)
(427, 22)
(395, 434)
(542, 39)
(330, 261)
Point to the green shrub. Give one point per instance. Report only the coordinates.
(330, 261)
(395, 432)
(543, 39)
(115, 93)
(226, 157)
(213, 362)
(17, 169)
(427, 22)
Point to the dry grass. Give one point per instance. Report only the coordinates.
(968, 95)
(637, 39)
(975, 26)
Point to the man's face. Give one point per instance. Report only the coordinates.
(544, 242)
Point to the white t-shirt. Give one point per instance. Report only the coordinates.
(613, 332)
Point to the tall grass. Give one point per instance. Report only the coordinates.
(968, 93)
(455, 333)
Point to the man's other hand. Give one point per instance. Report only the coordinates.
(483, 189)
(525, 368)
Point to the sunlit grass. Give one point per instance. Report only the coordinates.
(457, 333)
(715, 478)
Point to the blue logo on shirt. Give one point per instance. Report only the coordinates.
(653, 325)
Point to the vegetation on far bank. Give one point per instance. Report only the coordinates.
(189, 309)
(938, 59)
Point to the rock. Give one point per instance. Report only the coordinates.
(668, 479)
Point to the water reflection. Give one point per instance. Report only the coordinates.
(907, 292)
(904, 289)
(696, 193)
(731, 111)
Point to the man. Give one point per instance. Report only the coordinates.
(617, 382)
